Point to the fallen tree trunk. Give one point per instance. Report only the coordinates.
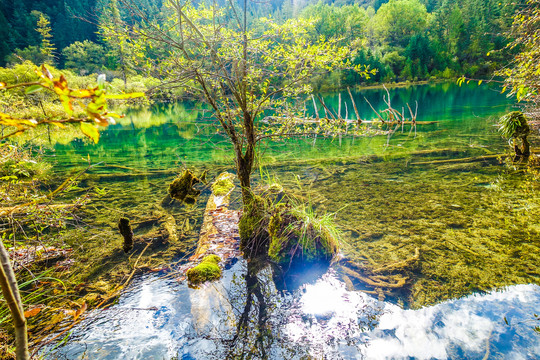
(22, 209)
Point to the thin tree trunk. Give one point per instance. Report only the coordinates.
(244, 165)
(10, 290)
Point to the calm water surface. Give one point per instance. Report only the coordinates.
(473, 296)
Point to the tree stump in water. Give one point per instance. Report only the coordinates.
(125, 229)
(514, 126)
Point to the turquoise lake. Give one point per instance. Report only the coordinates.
(449, 191)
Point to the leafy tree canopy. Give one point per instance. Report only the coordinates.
(396, 21)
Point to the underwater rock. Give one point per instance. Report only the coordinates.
(182, 188)
(207, 270)
(125, 229)
(167, 201)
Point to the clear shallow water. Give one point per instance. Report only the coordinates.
(171, 135)
(391, 208)
(162, 319)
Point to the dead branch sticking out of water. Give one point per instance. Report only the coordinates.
(391, 118)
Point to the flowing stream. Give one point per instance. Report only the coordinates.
(472, 216)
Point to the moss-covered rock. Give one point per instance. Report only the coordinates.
(182, 188)
(207, 270)
(222, 185)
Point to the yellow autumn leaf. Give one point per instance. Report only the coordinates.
(80, 311)
(32, 312)
(91, 131)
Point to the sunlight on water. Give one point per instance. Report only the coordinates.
(160, 318)
(471, 327)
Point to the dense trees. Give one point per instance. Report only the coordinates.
(18, 24)
(86, 57)
(404, 39)
(398, 20)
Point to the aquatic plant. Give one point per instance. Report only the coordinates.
(514, 127)
(207, 270)
(288, 230)
(299, 234)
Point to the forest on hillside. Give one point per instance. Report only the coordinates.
(405, 40)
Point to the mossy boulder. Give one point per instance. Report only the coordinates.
(207, 270)
(223, 184)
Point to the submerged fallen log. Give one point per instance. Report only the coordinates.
(24, 209)
(469, 159)
(378, 282)
(219, 239)
(400, 265)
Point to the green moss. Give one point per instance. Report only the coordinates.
(182, 189)
(276, 241)
(252, 221)
(514, 125)
(298, 235)
(207, 270)
(223, 185)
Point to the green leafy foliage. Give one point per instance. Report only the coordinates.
(92, 101)
(522, 77)
(398, 20)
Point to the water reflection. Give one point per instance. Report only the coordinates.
(166, 135)
(469, 328)
(244, 316)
